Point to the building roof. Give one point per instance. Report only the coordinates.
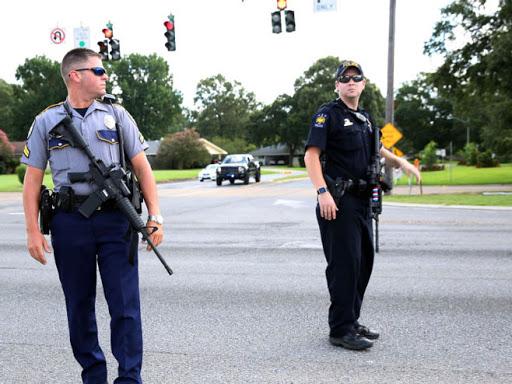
(212, 148)
(275, 150)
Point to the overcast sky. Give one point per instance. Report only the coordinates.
(231, 37)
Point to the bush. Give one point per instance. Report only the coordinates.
(182, 150)
(504, 149)
(486, 160)
(7, 160)
(20, 171)
(470, 154)
(429, 157)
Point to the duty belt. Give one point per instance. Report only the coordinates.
(67, 201)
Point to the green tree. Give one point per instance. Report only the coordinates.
(41, 85)
(182, 150)
(476, 73)
(145, 87)
(6, 107)
(223, 108)
(422, 115)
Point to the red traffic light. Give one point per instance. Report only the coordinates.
(108, 33)
(169, 25)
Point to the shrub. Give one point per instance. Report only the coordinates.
(486, 160)
(182, 150)
(7, 160)
(470, 154)
(429, 157)
(20, 171)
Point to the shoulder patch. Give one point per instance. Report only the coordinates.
(141, 138)
(26, 151)
(51, 106)
(319, 120)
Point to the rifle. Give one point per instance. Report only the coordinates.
(376, 183)
(109, 180)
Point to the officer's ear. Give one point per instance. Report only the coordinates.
(73, 76)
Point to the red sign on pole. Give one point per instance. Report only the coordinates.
(57, 35)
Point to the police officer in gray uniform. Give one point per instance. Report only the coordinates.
(105, 239)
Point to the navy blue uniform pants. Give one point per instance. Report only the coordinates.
(79, 245)
(348, 247)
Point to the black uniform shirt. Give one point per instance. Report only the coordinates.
(344, 138)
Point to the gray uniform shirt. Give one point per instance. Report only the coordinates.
(99, 131)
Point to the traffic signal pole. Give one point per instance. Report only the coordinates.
(390, 112)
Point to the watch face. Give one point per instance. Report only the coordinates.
(321, 190)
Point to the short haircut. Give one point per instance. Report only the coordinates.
(73, 57)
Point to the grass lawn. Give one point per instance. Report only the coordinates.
(464, 175)
(10, 183)
(454, 199)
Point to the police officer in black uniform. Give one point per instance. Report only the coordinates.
(341, 137)
(104, 240)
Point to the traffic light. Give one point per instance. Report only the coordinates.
(115, 52)
(170, 34)
(108, 32)
(289, 18)
(103, 49)
(276, 22)
(281, 4)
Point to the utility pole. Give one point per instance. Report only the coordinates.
(390, 91)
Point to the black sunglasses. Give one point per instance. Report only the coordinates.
(98, 71)
(345, 79)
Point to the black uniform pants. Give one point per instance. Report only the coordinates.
(348, 247)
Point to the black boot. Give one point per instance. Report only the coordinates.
(352, 341)
(367, 332)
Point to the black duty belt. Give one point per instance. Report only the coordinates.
(68, 201)
(108, 205)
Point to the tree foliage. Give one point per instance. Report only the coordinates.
(41, 85)
(223, 108)
(476, 43)
(421, 114)
(182, 150)
(144, 85)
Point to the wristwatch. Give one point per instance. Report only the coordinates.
(156, 218)
(321, 190)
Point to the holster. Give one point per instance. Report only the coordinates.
(46, 209)
(337, 187)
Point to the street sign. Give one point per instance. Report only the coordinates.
(390, 135)
(82, 37)
(324, 5)
(57, 35)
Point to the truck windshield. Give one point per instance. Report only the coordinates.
(234, 159)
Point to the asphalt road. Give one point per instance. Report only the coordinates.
(248, 300)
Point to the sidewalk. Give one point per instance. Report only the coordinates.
(447, 189)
